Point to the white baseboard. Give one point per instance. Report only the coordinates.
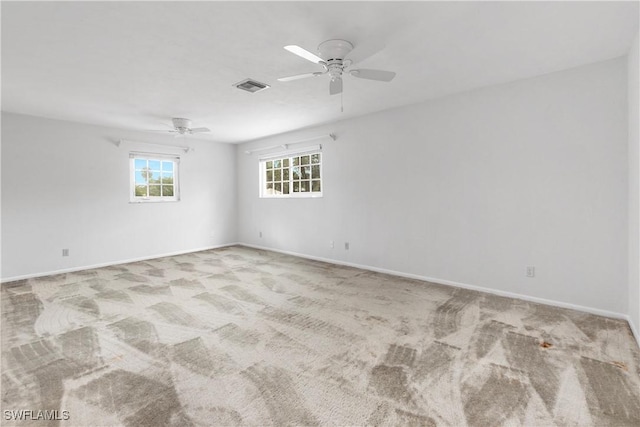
(597, 311)
(554, 303)
(108, 264)
(634, 330)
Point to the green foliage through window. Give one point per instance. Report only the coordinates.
(154, 179)
(297, 175)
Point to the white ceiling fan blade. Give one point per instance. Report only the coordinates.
(168, 128)
(364, 51)
(198, 130)
(383, 76)
(300, 76)
(335, 87)
(303, 53)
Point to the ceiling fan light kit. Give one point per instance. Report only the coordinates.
(335, 49)
(181, 125)
(334, 58)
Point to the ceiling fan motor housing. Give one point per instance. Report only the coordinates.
(334, 52)
(335, 68)
(182, 125)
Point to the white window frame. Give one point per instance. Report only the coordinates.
(289, 155)
(150, 157)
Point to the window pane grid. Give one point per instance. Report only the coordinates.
(154, 179)
(292, 176)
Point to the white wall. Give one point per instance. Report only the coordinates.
(634, 188)
(66, 185)
(471, 189)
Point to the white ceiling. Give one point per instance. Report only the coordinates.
(135, 65)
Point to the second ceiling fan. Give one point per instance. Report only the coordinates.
(336, 56)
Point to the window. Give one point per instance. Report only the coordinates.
(298, 175)
(154, 178)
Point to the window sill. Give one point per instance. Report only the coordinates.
(314, 196)
(138, 202)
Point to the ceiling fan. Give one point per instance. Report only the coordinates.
(335, 57)
(183, 127)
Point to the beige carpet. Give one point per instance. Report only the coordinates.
(238, 336)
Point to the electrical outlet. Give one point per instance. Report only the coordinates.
(346, 246)
(531, 271)
(331, 244)
(65, 252)
(260, 234)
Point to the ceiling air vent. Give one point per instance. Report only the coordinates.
(251, 85)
